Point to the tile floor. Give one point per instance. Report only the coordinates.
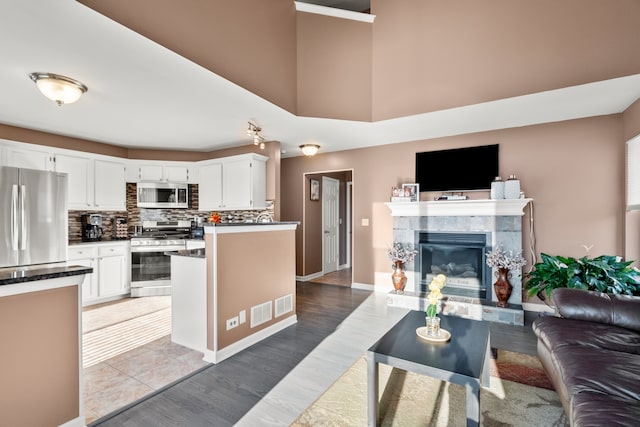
(117, 381)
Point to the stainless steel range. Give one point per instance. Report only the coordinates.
(150, 267)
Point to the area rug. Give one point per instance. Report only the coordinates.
(409, 399)
(520, 368)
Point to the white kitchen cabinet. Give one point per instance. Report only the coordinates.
(111, 265)
(109, 185)
(93, 184)
(79, 172)
(231, 183)
(28, 158)
(151, 171)
(85, 256)
(111, 270)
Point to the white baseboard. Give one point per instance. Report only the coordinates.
(363, 286)
(76, 422)
(309, 277)
(220, 355)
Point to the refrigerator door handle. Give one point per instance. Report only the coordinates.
(14, 217)
(23, 220)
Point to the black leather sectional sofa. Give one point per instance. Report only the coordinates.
(591, 353)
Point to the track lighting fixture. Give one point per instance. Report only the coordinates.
(254, 132)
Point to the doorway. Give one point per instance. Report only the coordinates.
(322, 262)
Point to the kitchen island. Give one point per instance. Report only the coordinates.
(237, 291)
(40, 331)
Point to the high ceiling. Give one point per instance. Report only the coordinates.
(144, 96)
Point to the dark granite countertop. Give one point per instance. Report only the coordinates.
(190, 253)
(9, 276)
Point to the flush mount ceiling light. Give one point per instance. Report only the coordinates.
(254, 132)
(309, 149)
(61, 89)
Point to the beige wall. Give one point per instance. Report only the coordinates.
(425, 55)
(334, 67)
(631, 119)
(430, 55)
(250, 42)
(573, 170)
(39, 361)
(253, 268)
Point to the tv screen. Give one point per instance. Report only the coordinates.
(460, 169)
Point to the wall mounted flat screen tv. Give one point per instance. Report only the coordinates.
(460, 169)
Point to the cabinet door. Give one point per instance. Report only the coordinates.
(79, 180)
(210, 187)
(90, 283)
(236, 184)
(110, 186)
(176, 173)
(111, 271)
(30, 159)
(151, 173)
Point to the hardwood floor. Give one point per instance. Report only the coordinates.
(272, 382)
(338, 278)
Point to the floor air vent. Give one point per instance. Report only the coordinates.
(284, 305)
(260, 314)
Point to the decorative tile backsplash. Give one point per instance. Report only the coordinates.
(136, 215)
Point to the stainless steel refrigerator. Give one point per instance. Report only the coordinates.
(33, 217)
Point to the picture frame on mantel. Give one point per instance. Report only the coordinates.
(314, 190)
(413, 191)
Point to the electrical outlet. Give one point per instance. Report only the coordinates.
(232, 323)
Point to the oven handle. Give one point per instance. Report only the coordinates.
(156, 248)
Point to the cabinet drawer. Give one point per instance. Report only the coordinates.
(82, 252)
(111, 250)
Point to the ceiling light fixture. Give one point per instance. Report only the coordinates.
(309, 149)
(61, 89)
(254, 132)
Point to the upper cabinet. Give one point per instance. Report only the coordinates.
(160, 171)
(29, 158)
(94, 182)
(233, 183)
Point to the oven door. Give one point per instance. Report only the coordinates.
(151, 270)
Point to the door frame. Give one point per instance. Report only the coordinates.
(348, 232)
(304, 225)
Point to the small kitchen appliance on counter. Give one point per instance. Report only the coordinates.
(91, 227)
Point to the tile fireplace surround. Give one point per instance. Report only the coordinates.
(501, 219)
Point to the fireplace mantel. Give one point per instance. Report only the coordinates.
(482, 207)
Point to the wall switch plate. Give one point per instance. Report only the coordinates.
(365, 222)
(243, 316)
(232, 323)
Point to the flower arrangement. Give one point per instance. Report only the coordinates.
(499, 258)
(401, 253)
(435, 294)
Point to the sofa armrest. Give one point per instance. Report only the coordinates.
(613, 309)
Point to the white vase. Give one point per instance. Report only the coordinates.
(497, 189)
(512, 188)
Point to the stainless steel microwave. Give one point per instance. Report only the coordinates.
(162, 195)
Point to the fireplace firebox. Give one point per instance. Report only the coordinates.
(459, 256)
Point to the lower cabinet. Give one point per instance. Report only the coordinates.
(110, 262)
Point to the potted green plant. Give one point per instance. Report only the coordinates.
(605, 273)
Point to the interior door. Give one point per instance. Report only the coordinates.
(330, 223)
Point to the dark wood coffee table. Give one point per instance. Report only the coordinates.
(463, 360)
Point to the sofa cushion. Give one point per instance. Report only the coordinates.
(585, 369)
(555, 332)
(619, 310)
(597, 410)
